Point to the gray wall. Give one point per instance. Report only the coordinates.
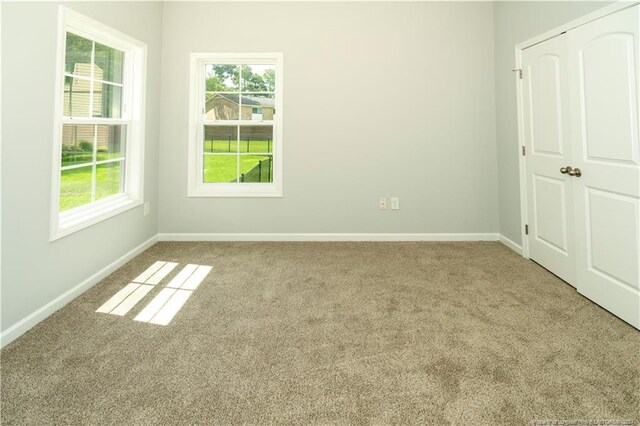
(516, 22)
(380, 99)
(35, 271)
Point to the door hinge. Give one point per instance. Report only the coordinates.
(526, 230)
(519, 71)
(524, 150)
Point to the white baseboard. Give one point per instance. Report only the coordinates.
(325, 237)
(512, 245)
(25, 324)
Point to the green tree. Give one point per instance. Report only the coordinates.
(223, 77)
(214, 85)
(269, 77)
(78, 51)
(252, 82)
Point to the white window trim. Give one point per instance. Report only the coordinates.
(196, 186)
(134, 97)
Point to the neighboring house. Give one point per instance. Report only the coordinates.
(73, 135)
(76, 103)
(224, 106)
(76, 92)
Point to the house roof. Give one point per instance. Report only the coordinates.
(247, 100)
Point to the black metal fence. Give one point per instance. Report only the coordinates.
(262, 172)
(229, 145)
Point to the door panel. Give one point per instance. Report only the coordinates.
(602, 239)
(603, 59)
(545, 105)
(549, 200)
(606, 73)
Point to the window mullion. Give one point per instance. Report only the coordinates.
(111, 160)
(97, 80)
(93, 163)
(238, 156)
(127, 102)
(123, 175)
(91, 73)
(95, 120)
(240, 81)
(200, 132)
(265, 123)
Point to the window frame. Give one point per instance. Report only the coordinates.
(196, 187)
(132, 115)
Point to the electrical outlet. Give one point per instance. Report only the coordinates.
(147, 208)
(382, 203)
(395, 203)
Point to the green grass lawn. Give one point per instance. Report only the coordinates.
(252, 146)
(75, 184)
(69, 159)
(222, 168)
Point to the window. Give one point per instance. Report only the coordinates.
(99, 124)
(235, 140)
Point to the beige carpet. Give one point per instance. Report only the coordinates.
(332, 333)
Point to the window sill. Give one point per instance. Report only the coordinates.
(235, 190)
(82, 217)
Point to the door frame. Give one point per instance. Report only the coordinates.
(595, 15)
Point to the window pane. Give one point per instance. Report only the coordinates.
(222, 106)
(77, 144)
(258, 106)
(220, 139)
(110, 141)
(222, 78)
(256, 139)
(256, 168)
(220, 168)
(107, 100)
(109, 179)
(76, 97)
(109, 64)
(258, 78)
(75, 187)
(78, 55)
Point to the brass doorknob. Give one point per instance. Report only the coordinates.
(565, 170)
(575, 172)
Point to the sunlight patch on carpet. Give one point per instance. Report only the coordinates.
(155, 273)
(124, 300)
(170, 300)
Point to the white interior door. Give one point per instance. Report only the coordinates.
(604, 75)
(548, 150)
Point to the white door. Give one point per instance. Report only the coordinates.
(604, 76)
(548, 150)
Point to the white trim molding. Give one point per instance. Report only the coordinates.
(30, 321)
(511, 244)
(324, 237)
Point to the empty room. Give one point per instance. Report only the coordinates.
(320, 212)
